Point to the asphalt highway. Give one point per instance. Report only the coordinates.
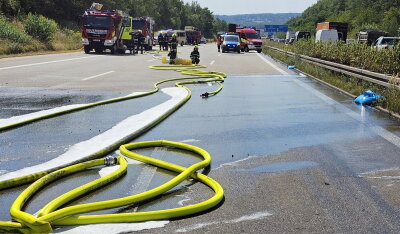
(292, 155)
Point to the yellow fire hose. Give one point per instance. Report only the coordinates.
(194, 73)
(50, 214)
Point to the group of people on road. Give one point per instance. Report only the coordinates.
(138, 41)
(173, 44)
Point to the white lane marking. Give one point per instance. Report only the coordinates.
(255, 216)
(394, 139)
(111, 227)
(102, 74)
(120, 131)
(212, 62)
(151, 60)
(302, 75)
(219, 55)
(273, 65)
(42, 63)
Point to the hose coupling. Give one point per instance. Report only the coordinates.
(110, 161)
(204, 95)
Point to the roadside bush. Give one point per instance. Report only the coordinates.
(355, 55)
(40, 27)
(10, 32)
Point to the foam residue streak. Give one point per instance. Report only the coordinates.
(123, 129)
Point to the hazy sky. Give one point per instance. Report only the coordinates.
(233, 7)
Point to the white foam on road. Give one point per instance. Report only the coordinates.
(112, 228)
(255, 216)
(108, 170)
(20, 118)
(123, 129)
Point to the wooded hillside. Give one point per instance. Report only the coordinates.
(167, 13)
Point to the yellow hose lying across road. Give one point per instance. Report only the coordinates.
(50, 215)
(180, 68)
(194, 76)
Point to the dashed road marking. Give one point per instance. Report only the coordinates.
(102, 74)
(42, 63)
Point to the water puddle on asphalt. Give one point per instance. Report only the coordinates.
(280, 167)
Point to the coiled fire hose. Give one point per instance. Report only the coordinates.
(51, 215)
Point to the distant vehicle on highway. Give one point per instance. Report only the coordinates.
(370, 36)
(181, 37)
(230, 43)
(326, 35)
(386, 42)
(302, 35)
(340, 27)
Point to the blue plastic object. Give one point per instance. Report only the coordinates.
(367, 98)
(291, 67)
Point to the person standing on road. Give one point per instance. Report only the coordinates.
(140, 41)
(161, 41)
(173, 42)
(219, 42)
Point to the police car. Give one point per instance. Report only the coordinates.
(231, 42)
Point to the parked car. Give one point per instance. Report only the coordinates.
(386, 42)
(231, 43)
(326, 35)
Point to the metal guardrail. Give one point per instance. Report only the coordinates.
(374, 77)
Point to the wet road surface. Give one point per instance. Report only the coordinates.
(292, 156)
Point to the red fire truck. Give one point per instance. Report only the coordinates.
(101, 30)
(146, 24)
(193, 35)
(249, 39)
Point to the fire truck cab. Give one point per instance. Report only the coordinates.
(101, 30)
(249, 39)
(146, 24)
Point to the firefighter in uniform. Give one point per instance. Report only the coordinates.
(138, 39)
(195, 55)
(173, 42)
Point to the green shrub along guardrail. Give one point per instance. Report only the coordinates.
(355, 55)
(35, 33)
(355, 86)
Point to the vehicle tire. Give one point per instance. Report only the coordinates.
(242, 50)
(86, 49)
(223, 51)
(113, 49)
(259, 51)
(181, 43)
(121, 51)
(98, 50)
(238, 51)
(246, 49)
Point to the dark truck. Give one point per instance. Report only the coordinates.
(370, 36)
